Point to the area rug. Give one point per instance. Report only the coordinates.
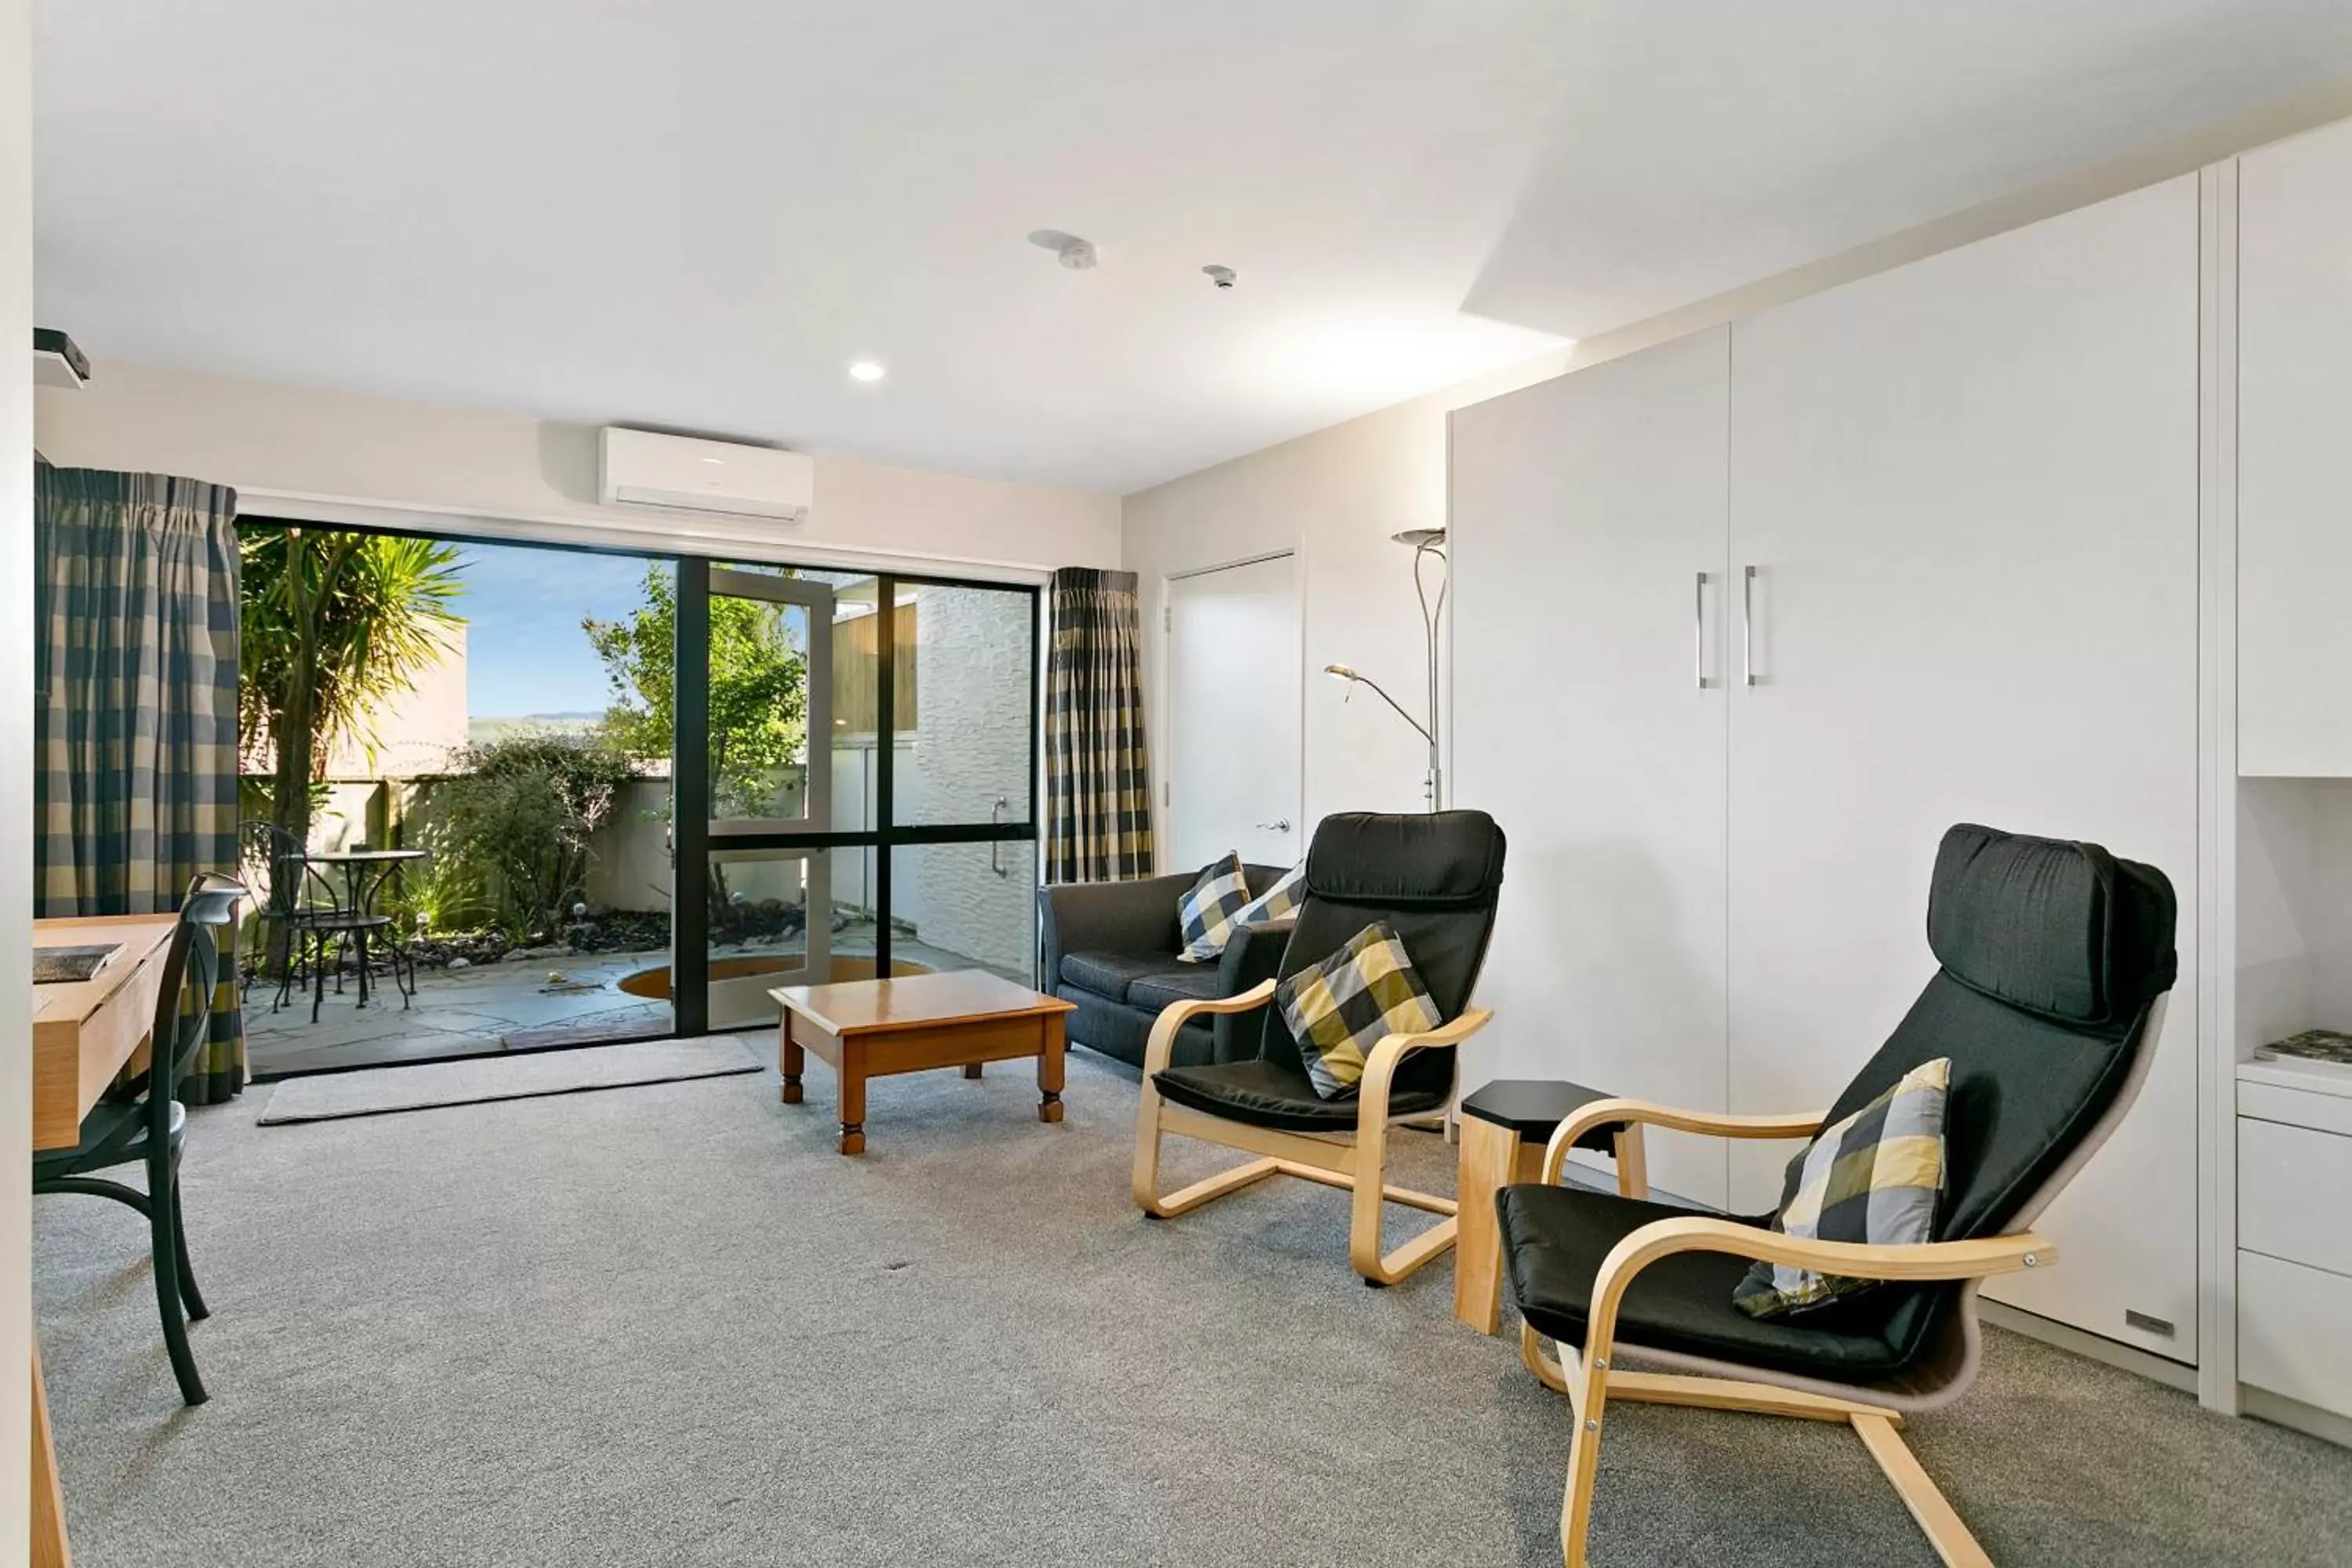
(379, 1091)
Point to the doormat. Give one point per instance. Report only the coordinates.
(427, 1086)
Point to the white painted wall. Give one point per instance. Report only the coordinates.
(349, 457)
(16, 772)
(1334, 496)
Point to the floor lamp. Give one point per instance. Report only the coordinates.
(1428, 544)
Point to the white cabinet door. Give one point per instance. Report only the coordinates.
(1588, 544)
(1969, 488)
(2294, 455)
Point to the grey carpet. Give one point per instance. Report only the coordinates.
(328, 1096)
(674, 1327)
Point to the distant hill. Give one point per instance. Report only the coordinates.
(480, 728)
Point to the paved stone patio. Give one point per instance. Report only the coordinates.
(456, 1013)
(479, 1011)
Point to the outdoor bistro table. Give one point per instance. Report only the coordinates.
(364, 871)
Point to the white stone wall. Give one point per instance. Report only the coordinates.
(972, 747)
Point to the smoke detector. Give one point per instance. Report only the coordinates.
(1074, 253)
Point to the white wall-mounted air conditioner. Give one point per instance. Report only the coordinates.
(641, 467)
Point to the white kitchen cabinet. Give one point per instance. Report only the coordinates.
(2294, 459)
(1968, 491)
(1589, 602)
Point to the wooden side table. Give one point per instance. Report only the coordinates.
(1505, 1127)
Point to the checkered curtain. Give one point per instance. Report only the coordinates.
(1097, 776)
(134, 670)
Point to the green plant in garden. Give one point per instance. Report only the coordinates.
(758, 689)
(330, 625)
(511, 834)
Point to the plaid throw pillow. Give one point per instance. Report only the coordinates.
(1277, 905)
(1207, 912)
(1874, 1177)
(1339, 1009)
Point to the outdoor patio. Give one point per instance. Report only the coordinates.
(518, 1003)
(515, 1004)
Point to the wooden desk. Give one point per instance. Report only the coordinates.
(869, 1028)
(84, 1035)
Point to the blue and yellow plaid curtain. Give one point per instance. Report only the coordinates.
(134, 668)
(1097, 774)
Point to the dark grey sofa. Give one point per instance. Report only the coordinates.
(1110, 948)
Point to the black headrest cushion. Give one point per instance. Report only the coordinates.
(1431, 859)
(2060, 929)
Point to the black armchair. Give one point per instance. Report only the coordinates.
(1110, 948)
(2055, 961)
(1435, 879)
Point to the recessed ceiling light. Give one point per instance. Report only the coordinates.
(865, 370)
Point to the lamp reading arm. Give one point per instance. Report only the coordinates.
(1341, 672)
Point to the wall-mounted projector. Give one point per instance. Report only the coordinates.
(642, 468)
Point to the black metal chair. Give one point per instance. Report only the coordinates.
(142, 1121)
(2055, 959)
(1435, 879)
(294, 896)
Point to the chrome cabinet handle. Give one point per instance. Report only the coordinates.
(1698, 630)
(1747, 627)
(1281, 827)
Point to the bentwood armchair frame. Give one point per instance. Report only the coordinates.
(1589, 1380)
(1355, 1162)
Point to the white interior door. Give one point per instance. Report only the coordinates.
(1968, 490)
(1234, 696)
(1588, 542)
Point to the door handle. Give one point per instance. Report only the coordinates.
(1747, 627)
(996, 850)
(1699, 629)
(1281, 827)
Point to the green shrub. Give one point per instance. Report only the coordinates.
(510, 835)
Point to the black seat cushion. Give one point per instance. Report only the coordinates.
(1555, 1238)
(1110, 973)
(2052, 952)
(1434, 878)
(1177, 983)
(2060, 929)
(1265, 1094)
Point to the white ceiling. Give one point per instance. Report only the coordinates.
(695, 213)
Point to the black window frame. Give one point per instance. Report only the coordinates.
(691, 837)
(690, 918)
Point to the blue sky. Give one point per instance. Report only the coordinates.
(524, 650)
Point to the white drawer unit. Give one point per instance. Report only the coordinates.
(2291, 1338)
(2294, 1196)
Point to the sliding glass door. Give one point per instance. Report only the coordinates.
(860, 750)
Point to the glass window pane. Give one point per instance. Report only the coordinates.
(965, 906)
(856, 665)
(966, 680)
(760, 937)
(758, 709)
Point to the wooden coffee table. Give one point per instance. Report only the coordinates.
(872, 1029)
